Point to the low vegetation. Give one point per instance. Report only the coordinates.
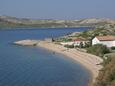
(113, 48)
(98, 50)
(107, 29)
(107, 74)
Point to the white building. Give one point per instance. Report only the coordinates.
(75, 42)
(78, 41)
(67, 43)
(109, 41)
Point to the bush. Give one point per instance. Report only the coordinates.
(98, 50)
(87, 45)
(66, 39)
(113, 48)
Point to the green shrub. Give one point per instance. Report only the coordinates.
(67, 39)
(98, 50)
(113, 48)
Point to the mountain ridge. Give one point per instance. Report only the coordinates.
(8, 21)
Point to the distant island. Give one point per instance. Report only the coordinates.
(12, 22)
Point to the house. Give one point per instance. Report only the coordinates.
(78, 41)
(67, 43)
(75, 42)
(108, 40)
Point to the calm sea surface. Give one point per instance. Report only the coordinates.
(31, 66)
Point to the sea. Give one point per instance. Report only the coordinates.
(35, 66)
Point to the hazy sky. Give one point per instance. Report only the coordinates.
(58, 9)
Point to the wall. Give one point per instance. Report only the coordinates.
(95, 41)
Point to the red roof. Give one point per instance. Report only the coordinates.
(106, 38)
(77, 39)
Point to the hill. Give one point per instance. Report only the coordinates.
(7, 21)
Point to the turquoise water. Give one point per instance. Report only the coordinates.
(31, 66)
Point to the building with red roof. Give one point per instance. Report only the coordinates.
(78, 41)
(108, 40)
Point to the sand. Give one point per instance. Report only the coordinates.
(91, 62)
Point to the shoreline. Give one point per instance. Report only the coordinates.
(89, 61)
(35, 28)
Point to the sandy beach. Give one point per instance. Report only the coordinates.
(91, 62)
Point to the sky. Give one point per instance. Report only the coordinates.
(58, 9)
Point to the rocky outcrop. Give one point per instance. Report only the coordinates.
(27, 42)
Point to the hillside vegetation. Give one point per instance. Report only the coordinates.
(98, 50)
(107, 29)
(107, 74)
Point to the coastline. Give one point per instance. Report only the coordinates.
(30, 28)
(89, 61)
